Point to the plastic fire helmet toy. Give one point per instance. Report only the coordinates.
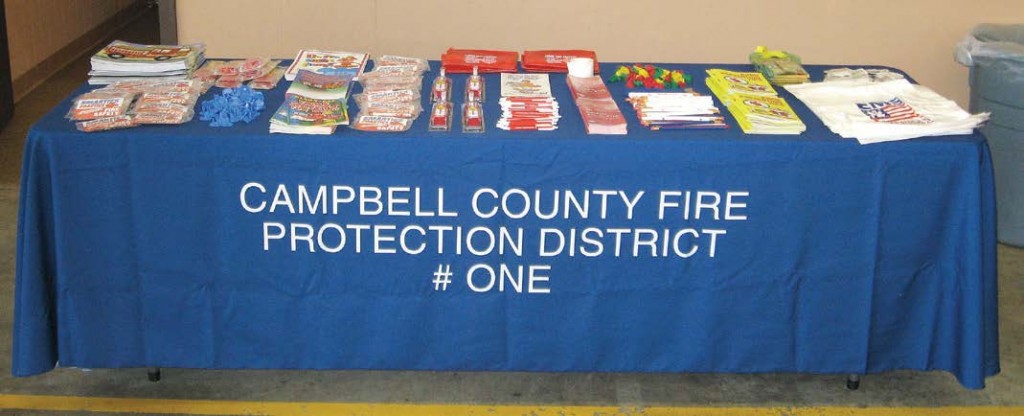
(472, 117)
(441, 89)
(475, 86)
(441, 116)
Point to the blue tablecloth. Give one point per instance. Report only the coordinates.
(682, 251)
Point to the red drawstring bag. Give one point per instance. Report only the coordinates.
(462, 61)
(555, 60)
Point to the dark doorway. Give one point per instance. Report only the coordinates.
(6, 93)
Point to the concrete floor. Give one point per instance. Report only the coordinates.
(891, 389)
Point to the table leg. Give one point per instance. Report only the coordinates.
(153, 374)
(853, 381)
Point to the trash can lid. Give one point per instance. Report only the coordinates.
(992, 41)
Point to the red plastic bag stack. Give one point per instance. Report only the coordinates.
(462, 61)
(555, 60)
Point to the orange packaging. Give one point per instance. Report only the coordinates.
(555, 60)
(381, 123)
(95, 105)
(462, 61)
(106, 123)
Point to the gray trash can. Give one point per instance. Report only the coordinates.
(995, 55)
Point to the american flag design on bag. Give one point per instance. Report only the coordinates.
(892, 111)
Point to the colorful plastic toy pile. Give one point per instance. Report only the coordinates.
(650, 77)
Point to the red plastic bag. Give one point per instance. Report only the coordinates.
(462, 61)
(555, 60)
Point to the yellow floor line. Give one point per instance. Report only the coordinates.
(212, 407)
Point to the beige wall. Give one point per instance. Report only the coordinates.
(915, 35)
(37, 29)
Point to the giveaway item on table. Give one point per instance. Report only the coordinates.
(246, 69)
(475, 87)
(121, 60)
(525, 85)
(106, 123)
(527, 104)
(233, 74)
(300, 110)
(779, 67)
(173, 97)
(874, 75)
(328, 62)
(339, 83)
(760, 114)
(528, 113)
(364, 122)
(392, 60)
(410, 82)
(170, 114)
(581, 67)
(676, 110)
(873, 112)
(753, 102)
(232, 106)
(601, 115)
(472, 117)
(132, 103)
(441, 88)
(308, 109)
(390, 101)
(406, 109)
(279, 124)
(393, 71)
(253, 68)
(650, 77)
(339, 90)
(440, 117)
(556, 60)
(162, 113)
(386, 97)
(229, 81)
(166, 102)
(268, 81)
(725, 83)
(462, 61)
(208, 74)
(99, 104)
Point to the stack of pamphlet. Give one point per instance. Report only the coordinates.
(314, 104)
(601, 115)
(328, 63)
(676, 110)
(526, 103)
(123, 61)
(754, 103)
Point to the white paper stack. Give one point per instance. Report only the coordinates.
(676, 110)
(874, 112)
(527, 104)
(122, 61)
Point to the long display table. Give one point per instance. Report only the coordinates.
(683, 251)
